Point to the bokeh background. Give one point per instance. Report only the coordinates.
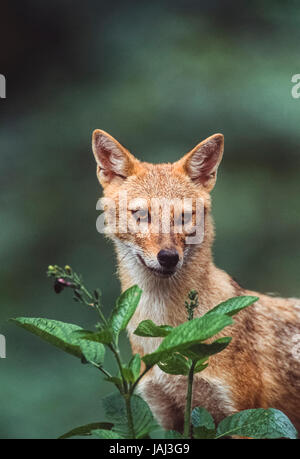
(160, 77)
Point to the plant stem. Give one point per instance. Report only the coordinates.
(105, 372)
(118, 359)
(127, 398)
(102, 317)
(97, 306)
(126, 394)
(188, 406)
(139, 378)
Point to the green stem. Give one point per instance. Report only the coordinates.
(127, 398)
(118, 359)
(188, 406)
(106, 373)
(138, 380)
(126, 394)
(97, 306)
(102, 317)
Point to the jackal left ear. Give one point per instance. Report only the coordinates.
(114, 162)
(202, 163)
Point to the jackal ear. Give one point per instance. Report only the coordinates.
(201, 163)
(114, 162)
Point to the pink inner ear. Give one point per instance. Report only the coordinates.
(204, 161)
(111, 159)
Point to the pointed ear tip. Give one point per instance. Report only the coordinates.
(97, 133)
(218, 140)
(219, 137)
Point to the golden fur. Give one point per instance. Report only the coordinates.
(258, 368)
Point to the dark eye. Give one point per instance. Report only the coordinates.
(187, 218)
(183, 219)
(141, 215)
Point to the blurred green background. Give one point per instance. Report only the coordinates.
(160, 77)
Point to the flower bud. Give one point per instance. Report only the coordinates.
(58, 286)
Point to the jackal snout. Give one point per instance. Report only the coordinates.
(168, 258)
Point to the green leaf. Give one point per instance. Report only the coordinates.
(132, 371)
(158, 433)
(175, 364)
(257, 423)
(202, 351)
(135, 366)
(104, 336)
(115, 380)
(202, 418)
(115, 410)
(128, 374)
(106, 434)
(188, 334)
(60, 334)
(203, 423)
(172, 435)
(125, 308)
(233, 305)
(200, 366)
(150, 329)
(93, 352)
(87, 429)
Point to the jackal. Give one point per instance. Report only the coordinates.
(261, 367)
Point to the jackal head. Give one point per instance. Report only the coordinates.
(155, 212)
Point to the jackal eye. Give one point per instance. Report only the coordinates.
(187, 217)
(184, 219)
(141, 215)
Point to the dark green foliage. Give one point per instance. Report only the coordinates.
(183, 351)
(86, 430)
(203, 423)
(125, 308)
(188, 334)
(257, 423)
(148, 329)
(115, 410)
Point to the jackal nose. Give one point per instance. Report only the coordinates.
(168, 258)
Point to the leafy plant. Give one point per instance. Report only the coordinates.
(253, 423)
(182, 351)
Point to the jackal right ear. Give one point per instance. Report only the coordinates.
(201, 163)
(114, 162)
